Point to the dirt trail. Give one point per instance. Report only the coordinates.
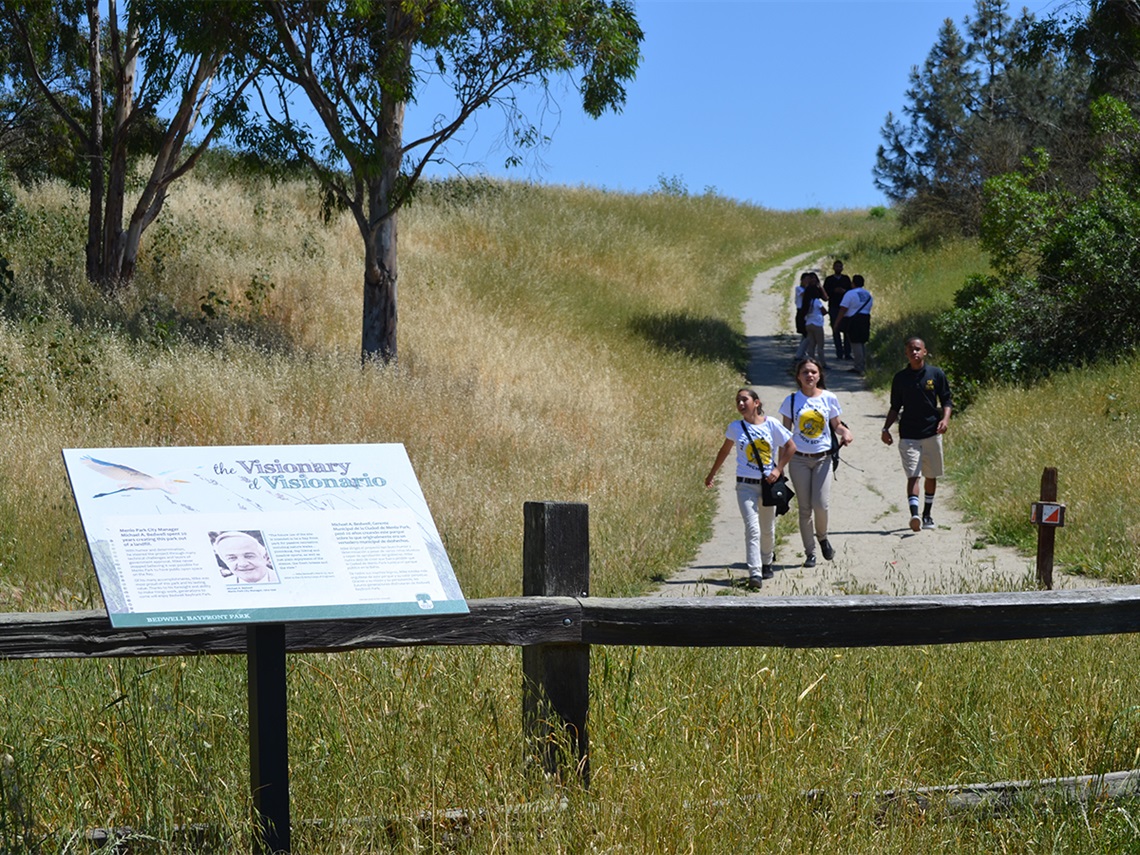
(875, 550)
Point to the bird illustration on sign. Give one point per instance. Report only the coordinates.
(131, 479)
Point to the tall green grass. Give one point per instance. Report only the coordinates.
(691, 750)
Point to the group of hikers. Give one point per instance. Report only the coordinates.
(804, 441)
(847, 302)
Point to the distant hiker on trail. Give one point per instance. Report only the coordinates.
(801, 321)
(812, 415)
(812, 302)
(854, 321)
(835, 286)
(921, 402)
(763, 449)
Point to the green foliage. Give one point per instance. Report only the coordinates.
(672, 185)
(361, 81)
(979, 104)
(1068, 285)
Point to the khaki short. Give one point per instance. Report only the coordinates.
(922, 457)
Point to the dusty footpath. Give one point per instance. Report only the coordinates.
(875, 550)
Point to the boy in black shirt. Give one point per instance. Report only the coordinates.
(835, 286)
(921, 402)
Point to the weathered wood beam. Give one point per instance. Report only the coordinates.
(862, 621)
(513, 621)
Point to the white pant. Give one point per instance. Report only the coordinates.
(759, 526)
(811, 479)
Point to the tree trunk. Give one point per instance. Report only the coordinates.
(378, 334)
(95, 146)
(124, 65)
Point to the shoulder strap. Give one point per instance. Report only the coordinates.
(752, 442)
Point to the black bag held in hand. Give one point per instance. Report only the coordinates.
(779, 494)
(835, 446)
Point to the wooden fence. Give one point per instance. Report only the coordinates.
(556, 622)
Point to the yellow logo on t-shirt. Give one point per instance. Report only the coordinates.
(811, 423)
(759, 444)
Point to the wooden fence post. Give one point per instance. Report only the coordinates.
(556, 563)
(1046, 534)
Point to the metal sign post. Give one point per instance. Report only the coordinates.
(268, 736)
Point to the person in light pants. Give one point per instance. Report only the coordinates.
(812, 414)
(763, 448)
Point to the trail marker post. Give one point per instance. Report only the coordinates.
(1048, 515)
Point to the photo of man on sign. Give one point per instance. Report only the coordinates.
(242, 557)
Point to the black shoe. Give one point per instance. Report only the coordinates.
(826, 549)
(927, 522)
(809, 561)
(766, 571)
(755, 581)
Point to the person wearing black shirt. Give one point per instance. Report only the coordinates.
(921, 403)
(835, 286)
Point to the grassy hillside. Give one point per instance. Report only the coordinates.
(555, 344)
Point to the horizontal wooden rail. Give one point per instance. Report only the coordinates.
(862, 621)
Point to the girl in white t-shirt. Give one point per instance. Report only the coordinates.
(763, 448)
(812, 414)
(813, 298)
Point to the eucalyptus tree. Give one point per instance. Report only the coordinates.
(106, 78)
(360, 64)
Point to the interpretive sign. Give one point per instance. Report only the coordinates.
(259, 534)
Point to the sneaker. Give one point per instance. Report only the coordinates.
(827, 550)
(766, 571)
(927, 522)
(755, 581)
(915, 522)
(809, 560)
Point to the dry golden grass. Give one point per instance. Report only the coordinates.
(539, 359)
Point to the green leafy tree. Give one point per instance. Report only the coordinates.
(361, 64)
(89, 72)
(1067, 283)
(977, 106)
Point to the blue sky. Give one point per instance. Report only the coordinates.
(773, 102)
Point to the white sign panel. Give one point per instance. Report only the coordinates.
(260, 534)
